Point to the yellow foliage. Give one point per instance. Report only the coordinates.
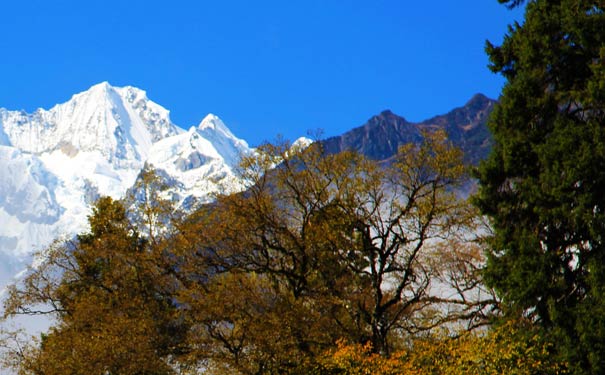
(358, 360)
(511, 349)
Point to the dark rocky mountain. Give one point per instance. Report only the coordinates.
(381, 136)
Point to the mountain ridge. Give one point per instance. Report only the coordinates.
(381, 135)
(58, 161)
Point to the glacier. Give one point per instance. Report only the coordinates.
(55, 163)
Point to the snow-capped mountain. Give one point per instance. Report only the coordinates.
(119, 123)
(56, 162)
(210, 151)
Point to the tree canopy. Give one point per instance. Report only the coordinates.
(109, 293)
(319, 248)
(327, 247)
(542, 185)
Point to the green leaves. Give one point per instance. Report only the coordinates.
(539, 186)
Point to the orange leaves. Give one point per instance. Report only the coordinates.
(358, 360)
(512, 349)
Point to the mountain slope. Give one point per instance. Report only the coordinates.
(380, 137)
(202, 160)
(56, 162)
(120, 123)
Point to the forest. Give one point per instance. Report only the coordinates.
(339, 264)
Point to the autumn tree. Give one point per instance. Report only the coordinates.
(109, 298)
(542, 185)
(331, 246)
(513, 348)
(318, 248)
(150, 206)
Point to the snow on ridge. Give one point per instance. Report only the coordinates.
(120, 122)
(200, 162)
(152, 113)
(27, 189)
(302, 143)
(213, 122)
(58, 161)
(4, 140)
(227, 145)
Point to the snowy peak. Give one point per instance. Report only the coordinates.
(211, 142)
(155, 116)
(120, 123)
(173, 151)
(56, 162)
(302, 143)
(214, 123)
(202, 160)
(102, 89)
(226, 144)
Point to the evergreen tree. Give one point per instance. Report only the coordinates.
(543, 184)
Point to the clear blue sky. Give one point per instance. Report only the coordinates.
(265, 67)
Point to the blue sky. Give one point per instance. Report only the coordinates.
(265, 67)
